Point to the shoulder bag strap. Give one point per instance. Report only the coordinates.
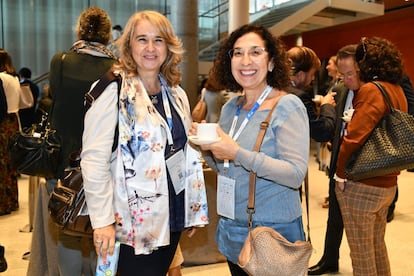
(252, 183)
(97, 90)
(385, 93)
(306, 183)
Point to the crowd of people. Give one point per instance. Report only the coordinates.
(141, 174)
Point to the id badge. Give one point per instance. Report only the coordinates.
(225, 196)
(176, 168)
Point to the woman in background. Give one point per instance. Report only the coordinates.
(333, 74)
(215, 98)
(9, 82)
(364, 203)
(71, 74)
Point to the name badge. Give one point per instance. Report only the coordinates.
(225, 196)
(176, 168)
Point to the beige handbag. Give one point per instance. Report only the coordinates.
(266, 252)
(200, 109)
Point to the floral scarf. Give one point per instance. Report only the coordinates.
(92, 48)
(141, 189)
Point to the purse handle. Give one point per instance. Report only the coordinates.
(385, 93)
(252, 183)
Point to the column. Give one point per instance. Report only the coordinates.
(238, 14)
(184, 18)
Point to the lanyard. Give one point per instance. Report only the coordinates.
(167, 110)
(166, 104)
(252, 111)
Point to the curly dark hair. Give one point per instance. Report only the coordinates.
(379, 59)
(94, 25)
(278, 78)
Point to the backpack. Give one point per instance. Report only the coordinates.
(67, 200)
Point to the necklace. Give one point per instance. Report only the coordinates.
(154, 99)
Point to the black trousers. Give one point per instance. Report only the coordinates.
(155, 264)
(334, 228)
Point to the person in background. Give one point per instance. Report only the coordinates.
(3, 262)
(28, 115)
(325, 147)
(116, 34)
(407, 87)
(215, 98)
(333, 74)
(364, 204)
(27, 118)
(44, 103)
(71, 74)
(134, 194)
(304, 64)
(253, 61)
(175, 266)
(9, 198)
(348, 84)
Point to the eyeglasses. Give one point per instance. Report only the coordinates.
(348, 75)
(254, 52)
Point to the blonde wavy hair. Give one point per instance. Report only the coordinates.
(170, 68)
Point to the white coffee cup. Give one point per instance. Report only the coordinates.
(349, 112)
(207, 131)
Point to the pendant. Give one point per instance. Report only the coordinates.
(154, 99)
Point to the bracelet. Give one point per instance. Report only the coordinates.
(337, 178)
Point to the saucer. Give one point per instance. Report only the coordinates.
(317, 98)
(195, 140)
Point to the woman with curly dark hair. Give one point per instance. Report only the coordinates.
(253, 61)
(364, 203)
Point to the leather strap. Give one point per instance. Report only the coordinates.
(306, 181)
(103, 82)
(252, 183)
(385, 93)
(97, 90)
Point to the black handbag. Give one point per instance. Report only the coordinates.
(35, 150)
(67, 201)
(389, 148)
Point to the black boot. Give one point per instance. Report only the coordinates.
(3, 263)
(323, 267)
